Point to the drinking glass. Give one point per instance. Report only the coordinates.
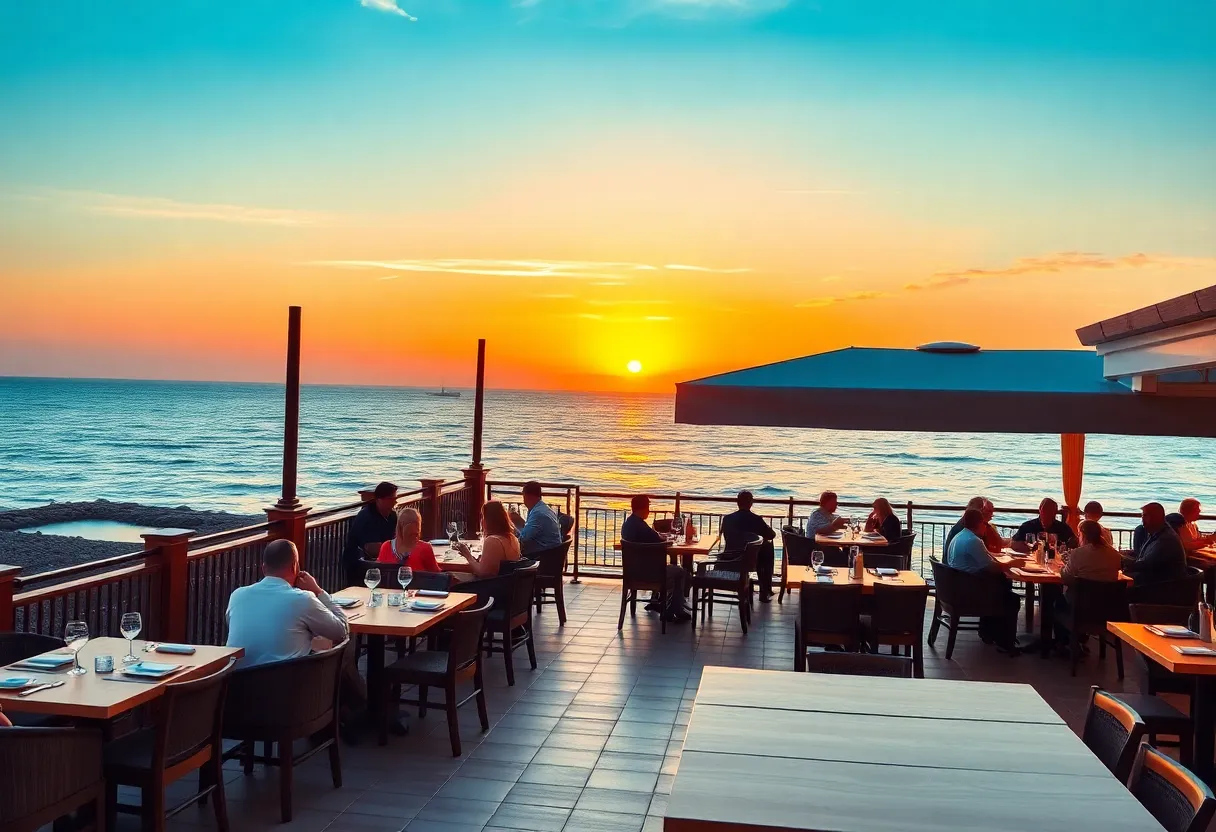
(372, 579)
(76, 633)
(130, 626)
(453, 532)
(817, 559)
(1031, 539)
(404, 576)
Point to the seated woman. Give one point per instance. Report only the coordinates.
(883, 520)
(499, 544)
(405, 548)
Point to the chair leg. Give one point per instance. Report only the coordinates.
(482, 713)
(692, 598)
(663, 612)
(335, 762)
(1119, 659)
(538, 597)
(286, 779)
(799, 651)
(99, 812)
(620, 622)
(219, 800)
(559, 596)
(1030, 608)
(951, 635)
(507, 655)
(744, 609)
(111, 808)
(531, 645)
(247, 751)
(633, 603)
(453, 719)
(153, 803)
(1074, 650)
(918, 660)
(936, 623)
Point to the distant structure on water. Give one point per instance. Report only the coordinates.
(444, 393)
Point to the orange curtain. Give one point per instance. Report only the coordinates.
(1072, 466)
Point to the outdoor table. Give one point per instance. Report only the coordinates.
(1205, 559)
(1051, 585)
(1203, 668)
(807, 751)
(450, 560)
(685, 553)
(377, 622)
(850, 539)
(795, 575)
(96, 696)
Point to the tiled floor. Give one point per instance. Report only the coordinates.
(590, 740)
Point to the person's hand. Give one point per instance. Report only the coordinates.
(516, 517)
(463, 549)
(308, 582)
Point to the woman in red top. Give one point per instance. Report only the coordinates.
(405, 549)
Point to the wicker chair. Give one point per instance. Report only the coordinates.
(898, 620)
(727, 580)
(17, 646)
(1112, 732)
(796, 550)
(643, 567)
(282, 702)
(442, 669)
(511, 617)
(828, 614)
(962, 595)
(185, 736)
(1179, 800)
(551, 577)
(46, 773)
(1093, 603)
(1184, 592)
(1160, 717)
(859, 664)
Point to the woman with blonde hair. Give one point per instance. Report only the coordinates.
(883, 520)
(500, 543)
(405, 548)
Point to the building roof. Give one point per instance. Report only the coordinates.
(1005, 391)
(1184, 309)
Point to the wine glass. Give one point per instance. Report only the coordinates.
(76, 633)
(372, 579)
(817, 559)
(404, 576)
(1031, 539)
(130, 626)
(453, 532)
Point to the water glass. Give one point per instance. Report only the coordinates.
(453, 532)
(371, 580)
(1031, 539)
(404, 576)
(76, 634)
(130, 627)
(817, 559)
(103, 664)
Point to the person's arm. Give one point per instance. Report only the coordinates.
(385, 555)
(873, 523)
(530, 530)
(1018, 542)
(1065, 533)
(322, 616)
(764, 529)
(1192, 542)
(4, 721)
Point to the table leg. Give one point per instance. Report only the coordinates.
(375, 670)
(1029, 607)
(1205, 727)
(1047, 618)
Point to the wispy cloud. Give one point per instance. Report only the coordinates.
(1062, 262)
(680, 267)
(639, 302)
(817, 303)
(152, 207)
(608, 273)
(389, 6)
(618, 12)
(818, 191)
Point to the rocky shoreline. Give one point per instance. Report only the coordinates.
(41, 552)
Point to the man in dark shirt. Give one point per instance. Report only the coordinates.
(635, 529)
(1048, 522)
(375, 523)
(1161, 557)
(742, 526)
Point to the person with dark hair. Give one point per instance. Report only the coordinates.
(976, 503)
(499, 545)
(1048, 522)
(542, 530)
(1093, 512)
(1161, 557)
(1093, 560)
(635, 529)
(883, 520)
(740, 527)
(824, 518)
(969, 554)
(375, 523)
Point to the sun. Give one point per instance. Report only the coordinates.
(634, 366)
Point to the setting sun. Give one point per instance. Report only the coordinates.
(634, 366)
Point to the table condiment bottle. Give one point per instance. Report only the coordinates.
(690, 530)
(1205, 623)
(858, 566)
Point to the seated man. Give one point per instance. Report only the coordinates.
(1192, 538)
(742, 526)
(824, 518)
(1161, 557)
(1048, 522)
(1093, 512)
(976, 503)
(988, 533)
(969, 554)
(542, 530)
(375, 523)
(1094, 560)
(635, 529)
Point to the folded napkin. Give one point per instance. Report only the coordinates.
(16, 682)
(825, 579)
(50, 660)
(1194, 650)
(886, 572)
(1171, 631)
(151, 669)
(426, 605)
(181, 649)
(824, 570)
(433, 593)
(345, 602)
(441, 541)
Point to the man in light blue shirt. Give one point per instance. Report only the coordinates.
(967, 553)
(543, 529)
(824, 519)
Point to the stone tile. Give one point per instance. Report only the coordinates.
(582, 820)
(637, 781)
(525, 816)
(475, 788)
(544, 794)
(556, 775)
(614, 800)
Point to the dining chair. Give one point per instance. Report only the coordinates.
(510, 620)
(897, 555)
(551, 577)
(1112, 731)
(796, 550)
(1184, 592)
(882, 559)
(828, 614)
(17, 646)
(460, 662)
(726, 580)
(897, 619)
(860, 664)
(643, 567)
(185, 736)
(1179, 800)
(960, 595)
(432, 581)
(47, 773)
(1091, 605)
(281, 702)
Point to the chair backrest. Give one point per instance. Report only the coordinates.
(1112, 732)
(830, 610)
(17, 646)
(438, 581)
(860, 664)
(189, 716)
(1159, 614)
(278, 695)
(388, 572)
(1096, 602)
(644, 562)
(907, 541)
(1179, 800)
(796, 547)
(523, 586)
(663, 526)
(883, 560)
(965, 593)
(898, 610)
(40, 768)
(566, 523)
(553, 561)
(1184, 592)
(465, 634)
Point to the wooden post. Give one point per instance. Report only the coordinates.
(479, 397)
(432, 517)
(290, 524)
(7, 612)
(173, 546)
(291, 412)
(475, 478)
(675, 512)
(790, 514)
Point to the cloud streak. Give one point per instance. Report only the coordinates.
(389, 6)
(608, 272)
(152, 207)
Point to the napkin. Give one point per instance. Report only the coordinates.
(15, 682)
(433, 593)
(442, 541)
(151, 669)
(1171, 630)
(345, 602)
(182, 649)
(823, 570)
(51, 661)
(886, 572)
(426, 605)
(825, 579)
(1194, 650)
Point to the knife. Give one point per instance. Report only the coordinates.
(40, 687)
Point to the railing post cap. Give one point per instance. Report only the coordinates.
(278, 513)
(367, 494)
(161, 537)
(430, 483)
(8, 572)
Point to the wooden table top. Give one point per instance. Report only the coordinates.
(1051, 576)
(392, 621)
(452, 561)
(703, 546)
(92, 696)
(850, 539)
(795, 575)
(806, 751)
(1161, 649)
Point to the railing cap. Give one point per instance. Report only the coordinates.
(160, 537)
(8, 572)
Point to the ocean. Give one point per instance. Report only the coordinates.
(219, 446)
